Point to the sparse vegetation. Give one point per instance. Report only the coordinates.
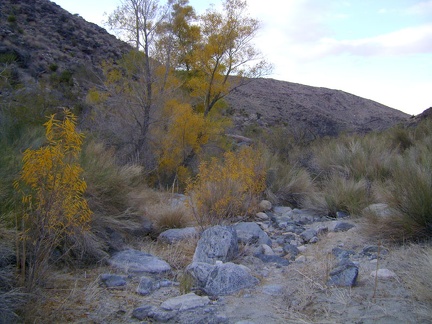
(155, 157)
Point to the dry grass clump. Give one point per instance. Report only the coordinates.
(416, 272)
(166, 216)
(409, 197)
(289, 185)
(108, 184)
(227, 188)
(346, 195)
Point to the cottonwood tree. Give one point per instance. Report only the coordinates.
(226, 56)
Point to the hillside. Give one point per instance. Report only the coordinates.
(320, 111)
(39, 38)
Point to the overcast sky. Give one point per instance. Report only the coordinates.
(376, 49)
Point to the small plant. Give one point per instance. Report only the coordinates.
(52, 191)
(11, 19)
(186, 282)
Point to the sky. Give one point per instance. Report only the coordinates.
(377, 49)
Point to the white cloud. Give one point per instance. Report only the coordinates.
(421, 8)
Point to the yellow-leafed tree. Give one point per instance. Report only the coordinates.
(52, 191)
(185, 132)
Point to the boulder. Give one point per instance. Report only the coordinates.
(221, 278)
(218, 243)
(251, 233)
(135, 261)
(345, 275)
(177, 234)
(228, 278)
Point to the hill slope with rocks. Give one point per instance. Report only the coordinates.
(320, 111)
(38, 37)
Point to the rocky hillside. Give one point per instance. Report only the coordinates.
(318, 111)
(40, 38)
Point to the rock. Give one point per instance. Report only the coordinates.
(342, 254)
(300, 259)
(177, 234)
(251, 233)
(267, 250)
(291, 251)
(272, 259)
(262, 216)
(200, 272)
(308, 234)
(341, 214)
(217, 243)
(147, 285)
(143, 312)
(345, 275)
(273, 290)
(229, 278)
(221, 278)
(111, 280)
(343, 227)
(138, 262)
(265, 205)
(313, 240)
(185, 302)
(380, 210)
(372, 251)
(383, 274)
(282, 210)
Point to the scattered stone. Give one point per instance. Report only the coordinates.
(135, 261)
(383, 274)
(343, 227)
(111, 280)
(308, 234)
(341, 214)
(345, 275)
(200, 272)
(282, 210)
(147, 285)
(185, 302)
(291, 251)
(251, 233)
(265, 205)
(313, 240)
(267, 250)
(372, 251)
(342, 254)
(273, 290)
(177, 234)
(143, 312)
(262, 216)
(300, 259)
(217, 243)
(302, 248)
(380, 210)
(272, 259)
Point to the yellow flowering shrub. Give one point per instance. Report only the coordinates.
(227, 188)
(52, 191)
